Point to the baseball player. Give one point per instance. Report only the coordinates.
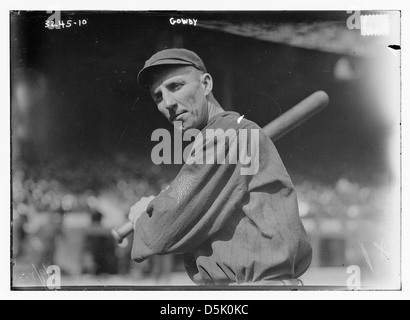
(232, 228)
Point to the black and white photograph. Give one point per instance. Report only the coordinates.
(205, 150)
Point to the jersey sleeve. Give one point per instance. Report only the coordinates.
(196, 205)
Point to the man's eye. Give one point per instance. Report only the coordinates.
(177, 87)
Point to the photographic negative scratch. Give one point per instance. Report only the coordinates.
(366, 256)
(122, 136)
(40, 277)
(272, 99)
(267, 96)
(135, 104)
(382, 248)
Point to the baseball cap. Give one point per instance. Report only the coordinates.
(173, 56)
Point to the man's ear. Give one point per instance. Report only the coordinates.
(208, 83)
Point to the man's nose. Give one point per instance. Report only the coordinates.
(169, 101)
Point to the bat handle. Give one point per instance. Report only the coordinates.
(122, 232)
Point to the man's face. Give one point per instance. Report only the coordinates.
(180, 96)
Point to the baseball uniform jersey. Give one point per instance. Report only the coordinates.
(230, 226)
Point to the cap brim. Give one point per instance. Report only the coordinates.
(145, 74)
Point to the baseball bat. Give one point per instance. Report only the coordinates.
(294, 117)
(120, 233)
(279, 127)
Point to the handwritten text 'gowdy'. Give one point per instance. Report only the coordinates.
(191, 22)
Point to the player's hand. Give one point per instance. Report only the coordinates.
(139, 208)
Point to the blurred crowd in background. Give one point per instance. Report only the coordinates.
(63, 213)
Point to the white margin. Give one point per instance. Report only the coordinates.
(189, 5)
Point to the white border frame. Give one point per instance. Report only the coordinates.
(7, 5)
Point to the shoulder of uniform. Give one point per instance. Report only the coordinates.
(236, 121)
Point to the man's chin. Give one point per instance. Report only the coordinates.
(178, 125)
(184, 126)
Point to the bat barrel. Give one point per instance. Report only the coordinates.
(297, 115)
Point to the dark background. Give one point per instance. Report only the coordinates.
(93, 106)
